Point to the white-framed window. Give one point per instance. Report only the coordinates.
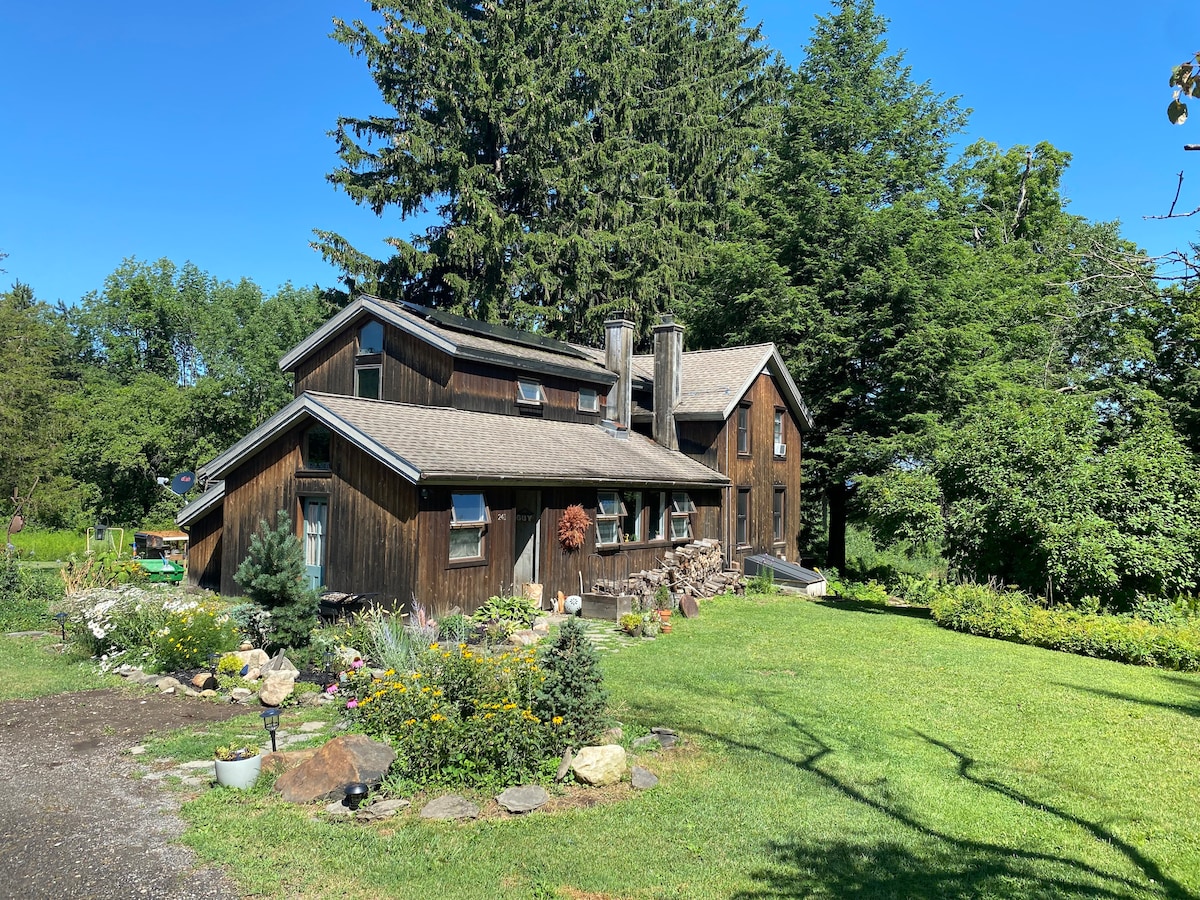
(631, 523)
(589, 400)
(742, 531)
(468, 521)
(780, 446)
(530, 392)
(681, 520)
(609, 511)
(366, 381)
(778, 515)
(656, 516)
(370, 338)
(316, 448)
(743, 430)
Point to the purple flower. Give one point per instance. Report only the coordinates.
(332, 689)
(351, 704)
(357, 664)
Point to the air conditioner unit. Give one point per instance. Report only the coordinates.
(781, 449)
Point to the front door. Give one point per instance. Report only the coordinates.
(316, 515)
(525, 567)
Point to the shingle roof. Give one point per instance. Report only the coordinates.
(429, 444)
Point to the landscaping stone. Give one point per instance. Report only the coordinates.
(347, 655)
(345, 759)
(452, 806)
(204, 681)
(647, 742)
(310, 727)
(276, 688)
(168, 685)
(599, 766)
(207, 693)
(240, 695)
(612, 735)
(255, 659)
(666, 737)
(339, 809)
(279, 663)
(542, 625)
(245, 645)
(524, 638)
(384, 809)
(282, 760)
(523, 799)
(564, 767)
(643, 779)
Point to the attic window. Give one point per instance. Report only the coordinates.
(316, 448)
(530, 392)
(589, 400)
(468, 520)
(370, 338)
(609, 511)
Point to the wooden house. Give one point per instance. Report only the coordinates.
(428, 456)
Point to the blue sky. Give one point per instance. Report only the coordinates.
(198, 131)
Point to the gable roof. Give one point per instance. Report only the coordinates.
(210, 499)
(713, 382)
(443, 445)
(460, 338)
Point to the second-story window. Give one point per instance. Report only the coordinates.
(589, 400)
(780, 446)
(316, 448)
(530, 392)
(370, 338)
(366, 382)
(743, 430)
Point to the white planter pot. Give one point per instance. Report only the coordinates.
(238, 773)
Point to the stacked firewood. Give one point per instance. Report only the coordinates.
(694, 570)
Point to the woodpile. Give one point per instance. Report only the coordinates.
(693, 570)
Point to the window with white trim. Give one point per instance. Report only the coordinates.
(743, 430)
(609, 510)
(681, 520)
(530, 392)
(468, 522)
(780, 446)
(589, 400)
(742, 531)
(778, 515)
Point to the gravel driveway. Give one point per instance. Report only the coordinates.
(74, 823)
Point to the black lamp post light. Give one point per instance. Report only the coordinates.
(270, 719)
(356, 793)
(61, 619)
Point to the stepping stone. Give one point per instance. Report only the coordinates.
(643, 779)
(384, 809)
(310, 727)
(523, 799)
(452, 806)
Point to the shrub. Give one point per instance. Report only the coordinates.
(518, 610)
(572, 691)
(273, 575)
(455, 629)
(389, 644)
(119, 626)
(192, 631)
(761, 583)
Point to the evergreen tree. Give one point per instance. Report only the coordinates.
(273, 576)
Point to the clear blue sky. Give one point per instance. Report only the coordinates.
(198, 131)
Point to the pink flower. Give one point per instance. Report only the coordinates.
(332, 689)
(351, 704)
(357, 664)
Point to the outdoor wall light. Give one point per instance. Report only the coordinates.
(270, 719)
(356, 792)
(61, 619)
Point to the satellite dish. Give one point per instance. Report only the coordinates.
(183, 482)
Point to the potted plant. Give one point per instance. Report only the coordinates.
(664, 602)
(631, 623)
(651, 623)
(238, 767)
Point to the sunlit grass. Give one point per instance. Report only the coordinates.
(830, 752)
(35, 667)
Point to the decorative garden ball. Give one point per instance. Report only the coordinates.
(573, 605)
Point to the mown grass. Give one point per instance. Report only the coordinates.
(832, 751)
(34, 667)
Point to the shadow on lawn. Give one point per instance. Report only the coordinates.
(1189, 707)
(935, 863)
(912, 612)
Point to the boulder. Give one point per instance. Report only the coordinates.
(523, 799)
(241, 695)
(276, 688)
(452, 806)
(282, 760)
(204, 681)
(255, 659)
(643, 779)
(168, 685)
(599, 766)
(524, 638)
(345, 759)
(279, 663)
(541, 625)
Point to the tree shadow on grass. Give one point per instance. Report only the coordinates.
(912, 612)
(1191, 708)
(934, 863)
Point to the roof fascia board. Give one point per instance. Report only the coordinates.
(202, 504)
(442, 479)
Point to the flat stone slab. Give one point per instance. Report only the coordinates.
(523, 799)
(643, 779)
(384, 809)
(452, 806)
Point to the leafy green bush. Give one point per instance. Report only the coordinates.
(191, 632)
(1014, 616)
(26, 596)
(762, 583)
(507, 609)
(458, 719)
(456, 629)
(273, 575)
(119, 626)
(572, 692)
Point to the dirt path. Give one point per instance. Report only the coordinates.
(73, 822)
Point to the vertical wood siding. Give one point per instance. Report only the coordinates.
(204, 550)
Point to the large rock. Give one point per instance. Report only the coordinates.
(282, 760)
(600, 765)
(255, 659)
(452, 806)
(276, 687)
(279, 663)
(345, 759)
(523, 799)
(204, 681)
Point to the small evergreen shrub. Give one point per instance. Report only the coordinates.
(573, 688)
(273, 576)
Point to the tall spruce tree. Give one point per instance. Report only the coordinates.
(582, 154)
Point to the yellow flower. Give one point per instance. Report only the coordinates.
(437, 717)
(557, 720)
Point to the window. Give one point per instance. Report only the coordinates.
(656, 516)
(681, 522)
(316, 448)
(743, 430)
(589, 400)
(609, 511)
(742, 533)
(530, 392)
(468, 520)
(366, 382)
(631, 524)
(778, 521)
(370, 339)
(780, 446)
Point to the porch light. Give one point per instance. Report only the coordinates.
(270, 719)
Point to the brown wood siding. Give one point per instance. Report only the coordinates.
(331, 367)
(204, 550)
(445, 585)
(761, 471)
(493, 389)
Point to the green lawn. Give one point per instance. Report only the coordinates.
(833, 752)
(34, 667)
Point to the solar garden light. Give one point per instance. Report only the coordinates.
(270, 719)
(356, 793)
(328, 659)
(214, 660)
(61, 619)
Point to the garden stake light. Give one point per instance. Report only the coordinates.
(328, 659)
(213, 660)
(270, 719)
(356, 792)
(61, 619)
